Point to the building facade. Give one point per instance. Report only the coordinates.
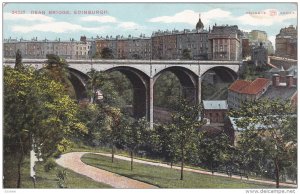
(286, 43)
(242, 90)
(256, 37)
(215, 110)
(259, 55)
(40, 48)
(225, 43)
(220, 43)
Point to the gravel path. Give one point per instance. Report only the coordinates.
(72, 161)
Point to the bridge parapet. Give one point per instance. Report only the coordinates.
(150, 67)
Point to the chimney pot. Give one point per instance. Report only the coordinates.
(275, 80)
(289, 81)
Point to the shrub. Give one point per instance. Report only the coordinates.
(49, 165)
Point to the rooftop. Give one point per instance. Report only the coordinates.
(248, 87)
(215, 104)
(283, 93)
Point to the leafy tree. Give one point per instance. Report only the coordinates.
(185, 122)
(212, 148)
(134, 137)
(166, 143)
(18, 63)
(114, 132)
(186, 54)
(107, 53)
(106, 84)
(36, 113)
(271, 122)
(167, 90)
(136, 56)
(57, 69)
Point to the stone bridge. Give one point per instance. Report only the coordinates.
(143, 74)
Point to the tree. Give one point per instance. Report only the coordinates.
(36, 113)
(268, 125)
(134, 138)
(107, 53)
(18, 63)
(57, 69)
(185, 122)
(113, 132)
(166, 143)
(136, 56)
(186, 54)
(212, 148)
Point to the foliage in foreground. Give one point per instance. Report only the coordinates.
(38, 115)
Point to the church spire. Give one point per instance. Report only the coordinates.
(199, 25)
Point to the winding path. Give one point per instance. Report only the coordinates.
(118, 181)
(73, 162)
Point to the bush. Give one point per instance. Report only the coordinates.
(49, 165)
(62, 179)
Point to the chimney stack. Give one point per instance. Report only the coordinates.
(289, 81)
(275, 80)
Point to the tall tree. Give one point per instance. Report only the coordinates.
(270, 121)
(134, 136)
(166, 143)
(212, 148)
(185, 122)
(57, 69)
(36, 112)
(186, 54)
(107, 53)
(18, 63)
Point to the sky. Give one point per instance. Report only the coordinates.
(67, 20)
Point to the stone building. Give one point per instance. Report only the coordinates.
(225, 43)
(260, 55)
(215, 110)
(35, 48)
(222, 43)
(242, 90)
(125, 48)
(286, 43)
(171, 44)
(258, 36)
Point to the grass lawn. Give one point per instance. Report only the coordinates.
(48, 179)
(167, 177)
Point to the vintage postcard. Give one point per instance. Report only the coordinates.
(149, 95)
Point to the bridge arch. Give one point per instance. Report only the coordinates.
(187, 78)
(225, 73)
(79, 80)
(140, 83)
(228, 74)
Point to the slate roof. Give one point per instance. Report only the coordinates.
(283, 93)
(215, 104)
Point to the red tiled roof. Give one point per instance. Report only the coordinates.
(238, 85)
(247, 87)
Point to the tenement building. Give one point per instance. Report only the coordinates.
(125, 47)
(256, 37)
(286, 43)
(35, 48)
(220, 43)
(225, 43)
